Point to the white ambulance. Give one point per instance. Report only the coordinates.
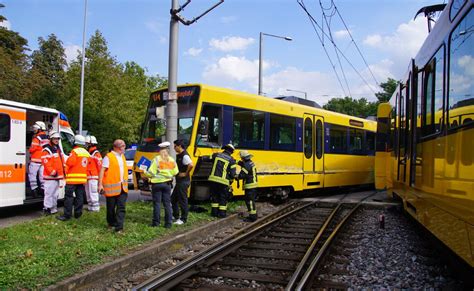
(16, 120)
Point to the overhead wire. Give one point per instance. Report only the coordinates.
(315, 24)
(328, 23)
(321, 40)
(355, 44)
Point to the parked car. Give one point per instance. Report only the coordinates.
(130, 156)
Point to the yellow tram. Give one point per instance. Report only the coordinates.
(425, 134)
(295, 147)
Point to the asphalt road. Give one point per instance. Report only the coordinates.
(14, 215)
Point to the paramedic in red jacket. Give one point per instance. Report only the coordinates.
(53, 173)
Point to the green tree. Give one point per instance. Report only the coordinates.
(361, 107)
(355, 107)
(13, 65)
(115, 95)
(388, 89)
(50, 60)
(48, 69)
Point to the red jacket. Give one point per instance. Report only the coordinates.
(53, 162)
(95, 164)
(40, 140)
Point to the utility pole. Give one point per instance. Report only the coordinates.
(81, 104)
(172, 105)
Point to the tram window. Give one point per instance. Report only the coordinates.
(402, 122)
(369, 142)
(308, 138)
(210, 134)
(5, 127)
(355, 140)
(248, 129)
(455, 8)
(428, 106)
(461, 81)
(338, 139)
(319, 139)
(185, 128)
(433, 99)
(282, 132)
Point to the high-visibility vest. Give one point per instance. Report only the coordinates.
(76, 166)
(39, 140)
(53, 163)
(223, 168)
(161, 171)
(95, 164)
(112, 182)
(248, 175)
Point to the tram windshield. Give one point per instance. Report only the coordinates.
(154, 127)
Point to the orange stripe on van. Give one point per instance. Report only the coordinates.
(10, 174)
(14, 114)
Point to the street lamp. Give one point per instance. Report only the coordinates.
(305, 93)
(260, 58)
(81, 104)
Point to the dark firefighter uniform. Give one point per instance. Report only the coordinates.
(222, 174)
(248, 175)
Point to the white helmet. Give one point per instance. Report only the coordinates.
(54, 134)
(92, 140)
(79, 139)
(39, 125)
(245, 154)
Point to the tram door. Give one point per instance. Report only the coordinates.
(403, 121)
(313, 155)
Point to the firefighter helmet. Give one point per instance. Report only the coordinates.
(39, 125)
(79, 139)
(229, 147)
(54, 134)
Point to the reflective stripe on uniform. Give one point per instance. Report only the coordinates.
(251, 185)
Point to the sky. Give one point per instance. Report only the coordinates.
(222, 48)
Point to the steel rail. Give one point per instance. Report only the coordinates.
(299, 269)
(310, 249)
(309, 271)
(187, 268)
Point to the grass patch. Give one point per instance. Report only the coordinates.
(44, 251)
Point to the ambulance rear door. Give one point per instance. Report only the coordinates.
(12, 155)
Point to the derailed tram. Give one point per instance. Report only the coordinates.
(425, 134)
(295, 147)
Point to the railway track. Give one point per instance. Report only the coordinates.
(280, 253)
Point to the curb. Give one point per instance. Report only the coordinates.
(139, 259)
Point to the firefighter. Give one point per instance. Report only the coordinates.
(53, 165)
(248, 175)
(221, 177)
(76, 179)
(93, 169)
(40, 139)
(161, 172)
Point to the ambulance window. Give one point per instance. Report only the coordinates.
(5, 124)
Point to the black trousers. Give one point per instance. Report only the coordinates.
(161, 192)
(116, 210)
(70, 200)
(250, 197)
(219, 197)
(179, 199)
